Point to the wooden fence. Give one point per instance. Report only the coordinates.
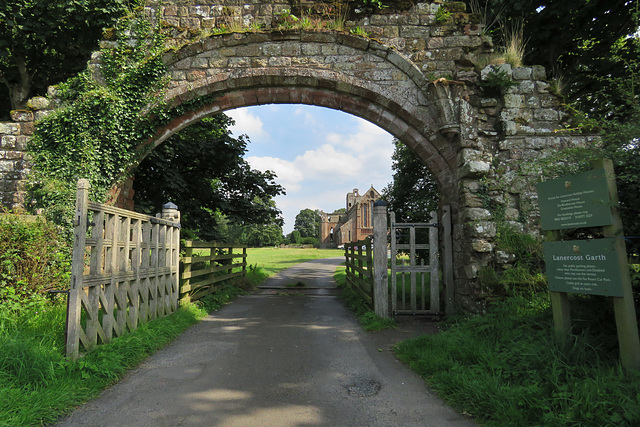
(359, 262)
(207, 268)
(124, 271)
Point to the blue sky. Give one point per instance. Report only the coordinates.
(319, 154)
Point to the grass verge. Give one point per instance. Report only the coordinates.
(370, 321)
(503, 369)
(38, 385)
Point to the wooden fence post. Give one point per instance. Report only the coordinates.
(77, 269)
(624, 307)
(434, 279)
(380, 274)
(447, 262)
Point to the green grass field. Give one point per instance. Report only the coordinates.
(265, 262)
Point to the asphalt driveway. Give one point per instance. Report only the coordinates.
(275, 358)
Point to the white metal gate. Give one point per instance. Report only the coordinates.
(421, 293)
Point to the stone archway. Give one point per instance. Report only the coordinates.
(414, 77)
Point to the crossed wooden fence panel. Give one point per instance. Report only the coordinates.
(359, 268)
(124, 271)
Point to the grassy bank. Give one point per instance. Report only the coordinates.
(504, 370)
(37, 383)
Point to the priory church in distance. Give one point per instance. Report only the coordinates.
(338, 228)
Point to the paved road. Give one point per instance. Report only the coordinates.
(274, 360)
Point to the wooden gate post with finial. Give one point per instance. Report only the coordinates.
(380, 272)
(77, 269)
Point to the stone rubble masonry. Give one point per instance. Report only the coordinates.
(412, 76)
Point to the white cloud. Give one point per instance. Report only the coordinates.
(328, 154)
(289, 176)
(366, 152)
(247, 124)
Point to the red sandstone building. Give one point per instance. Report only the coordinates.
(338, 228)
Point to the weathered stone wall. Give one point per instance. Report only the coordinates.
(14, 160)
(412, 76)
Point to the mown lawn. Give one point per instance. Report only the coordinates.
(266, 262)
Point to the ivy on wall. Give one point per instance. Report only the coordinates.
(100, 120)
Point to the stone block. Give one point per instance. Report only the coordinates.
(9, 128)
(170, 10)
(546, 114)
(538, 72)
(481, 246)
(475, 214)
(28, 128)
(514, 101)
(194, 75)
(22, 115)
(172, 21)
(462, 41)
(532, 101)
(412, 31)
(203, 11)
(511, 214)
(200, 63)
(543, 87)
(522, 73)
(8, 141)
(481, 229)
(474, 169)
(22, 142)
(280, 62)
(511, 144)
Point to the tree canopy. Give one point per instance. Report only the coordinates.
(308, 223)
(201, 169)
(46, 42)
(574, 40)
(413, 193)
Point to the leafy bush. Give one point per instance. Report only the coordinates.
(310, 241)
(34, 258)
(496, 82)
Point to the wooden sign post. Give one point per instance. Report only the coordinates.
(596, 266)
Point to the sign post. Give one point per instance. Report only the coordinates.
(595, 267)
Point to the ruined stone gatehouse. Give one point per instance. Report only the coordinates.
(355, 224)
(417, 71)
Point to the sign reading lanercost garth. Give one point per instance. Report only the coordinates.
(584, 267)
(575, 201)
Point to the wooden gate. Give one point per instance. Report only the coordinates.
(421, 293)
(124, 271)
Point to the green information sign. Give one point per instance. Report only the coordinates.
(583, 267)
(575, 201)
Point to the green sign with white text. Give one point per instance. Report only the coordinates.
(583, 267)
(575, 201)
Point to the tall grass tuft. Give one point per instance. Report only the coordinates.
(515, 43)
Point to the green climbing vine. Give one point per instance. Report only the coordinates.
(103, 115)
